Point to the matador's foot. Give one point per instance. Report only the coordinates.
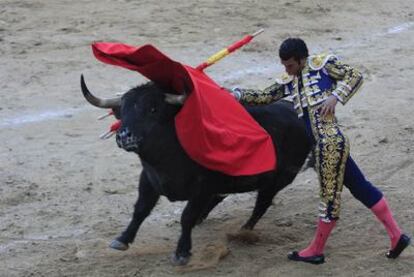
(316, 259)
(403, 242)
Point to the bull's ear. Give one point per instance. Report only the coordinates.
(175, 99)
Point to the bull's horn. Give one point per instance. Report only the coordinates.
(175, 99)
(108, 103)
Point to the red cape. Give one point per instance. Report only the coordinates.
(212, 127)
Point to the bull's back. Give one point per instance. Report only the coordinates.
(280, 113)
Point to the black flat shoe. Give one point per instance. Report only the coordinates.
(403, 242)
(317, 259)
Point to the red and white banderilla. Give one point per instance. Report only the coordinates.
(226, 51)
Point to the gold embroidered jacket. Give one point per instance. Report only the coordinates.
(323, 75)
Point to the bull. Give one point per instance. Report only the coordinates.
(147, 114)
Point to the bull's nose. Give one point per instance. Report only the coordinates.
(122, 137)
(126, 140)
(123, 134)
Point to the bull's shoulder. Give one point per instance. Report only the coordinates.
(272, 114)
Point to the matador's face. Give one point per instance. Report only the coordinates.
(292, 66)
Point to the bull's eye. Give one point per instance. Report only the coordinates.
(153, 110)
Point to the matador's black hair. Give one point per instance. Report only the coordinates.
(293, 48)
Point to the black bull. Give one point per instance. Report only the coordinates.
(148, 130)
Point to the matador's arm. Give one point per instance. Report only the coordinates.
(348, 79)
(260, 97)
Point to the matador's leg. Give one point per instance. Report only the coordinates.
(373, 198)
(331, 154)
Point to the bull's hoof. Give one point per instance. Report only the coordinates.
(115, 244)
(179, 260)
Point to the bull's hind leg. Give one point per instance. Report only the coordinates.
(147, 199)
(265, 196)
(189, 217)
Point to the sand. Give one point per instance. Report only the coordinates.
(65, 194)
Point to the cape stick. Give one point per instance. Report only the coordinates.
(226, 51)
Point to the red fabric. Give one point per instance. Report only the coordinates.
(213, 128)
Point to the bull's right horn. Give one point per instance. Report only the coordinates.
(175, 99)
(108, 103)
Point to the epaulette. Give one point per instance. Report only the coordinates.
(284, 79)
(316, 62)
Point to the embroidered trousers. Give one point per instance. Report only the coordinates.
(335, 167)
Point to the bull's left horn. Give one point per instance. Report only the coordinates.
(108, 103)
(175, 99)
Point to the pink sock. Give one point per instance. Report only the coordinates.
(384, 214)
(321, 236)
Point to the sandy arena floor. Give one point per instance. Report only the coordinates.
(65, 194)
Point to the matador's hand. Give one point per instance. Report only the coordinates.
(328, 107)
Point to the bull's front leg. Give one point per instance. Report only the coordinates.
(147, 199)
(189, 217)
